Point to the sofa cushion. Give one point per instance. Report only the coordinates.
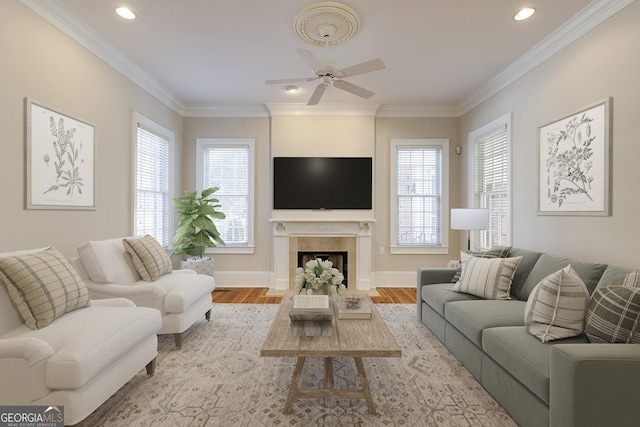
(43, 286)
(149, 258)
(107, 261)
(528, 261)
(440, 294)
(523, 356)
(590, 273)
(184, 288)
(497, 252)
(557, 306)
(613, 315)
(486, 278)
(472, 317)
(613, 275)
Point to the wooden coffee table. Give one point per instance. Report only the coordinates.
(349, 338)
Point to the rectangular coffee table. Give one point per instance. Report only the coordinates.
(348, 338)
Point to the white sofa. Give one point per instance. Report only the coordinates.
(79, 359)
(182, 296)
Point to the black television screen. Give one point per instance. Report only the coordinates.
(322, 182)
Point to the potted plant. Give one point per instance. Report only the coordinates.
(196, 230)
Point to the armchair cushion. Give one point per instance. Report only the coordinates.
(107, 261)
(43, 286)
(184, 289)
(149, 258)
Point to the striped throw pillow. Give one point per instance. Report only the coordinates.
(149, 258)
(497, 252)
(613, 315)
(488, 278)
(43, 286)
(557, 305)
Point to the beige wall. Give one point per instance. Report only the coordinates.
(258, 129)
(410, 128)
(41, 63)
(605, 62)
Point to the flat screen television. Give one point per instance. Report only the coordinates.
(322, 182)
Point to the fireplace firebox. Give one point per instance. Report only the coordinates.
(338, 259)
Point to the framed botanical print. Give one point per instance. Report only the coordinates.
(60, 156)
(574, 163)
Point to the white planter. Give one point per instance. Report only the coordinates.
(199, 265)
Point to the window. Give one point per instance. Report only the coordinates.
(153, 159)
(228, 163)
(419, 195)
(490, 182)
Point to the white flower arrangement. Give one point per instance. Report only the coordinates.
(318, 274)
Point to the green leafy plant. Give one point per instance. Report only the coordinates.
(196, 230)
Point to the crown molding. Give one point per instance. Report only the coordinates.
(417, 111)
(586, 20)
(61, 18)
(208, 110)
(291, 109)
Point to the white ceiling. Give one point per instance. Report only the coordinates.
(438, 53)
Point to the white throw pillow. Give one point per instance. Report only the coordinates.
(557, 305)
(488, 278)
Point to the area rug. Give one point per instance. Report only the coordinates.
(218, 379)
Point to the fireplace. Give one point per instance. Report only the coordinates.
(299, 235)
(337, 258)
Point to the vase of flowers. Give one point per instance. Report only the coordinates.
(318, 276)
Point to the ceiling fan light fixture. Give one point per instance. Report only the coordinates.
(524, 13)
(291, 88)
(125, 12)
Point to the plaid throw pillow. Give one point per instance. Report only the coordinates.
(149, 258)
(43, 286)
(498, 252)
(613, 315)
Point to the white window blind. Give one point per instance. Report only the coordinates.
(418, 192)
(491, 186)
(228, 167)
(152, 185)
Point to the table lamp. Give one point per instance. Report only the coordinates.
(469, 219)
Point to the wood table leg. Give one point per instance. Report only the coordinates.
(365, 385)
(328, 373)
(293, 389)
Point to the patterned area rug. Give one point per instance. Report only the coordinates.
(218, 379)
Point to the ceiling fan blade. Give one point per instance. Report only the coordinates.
(294, 80)
(365, 67)
(310, 59)
(351, 88)
(317, 94)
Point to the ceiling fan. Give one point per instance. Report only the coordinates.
(328, 75)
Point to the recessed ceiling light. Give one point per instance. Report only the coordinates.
(291, 88)
(125, 12)
(524, 13)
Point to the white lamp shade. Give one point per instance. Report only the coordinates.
(469, 219)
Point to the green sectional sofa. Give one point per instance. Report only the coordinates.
(562, 383)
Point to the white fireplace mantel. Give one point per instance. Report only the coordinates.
(285, 228)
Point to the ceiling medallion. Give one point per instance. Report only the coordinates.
(327, 24)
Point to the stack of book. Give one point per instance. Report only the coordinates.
(311, 307)
(349, 309)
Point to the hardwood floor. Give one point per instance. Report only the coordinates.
(259, 296)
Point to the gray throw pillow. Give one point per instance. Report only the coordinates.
(613, 315)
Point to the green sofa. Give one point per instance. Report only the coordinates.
(563, 383)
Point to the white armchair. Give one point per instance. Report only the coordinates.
(182, 296)
(79, 358)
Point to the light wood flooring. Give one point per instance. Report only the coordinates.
(263, 296)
